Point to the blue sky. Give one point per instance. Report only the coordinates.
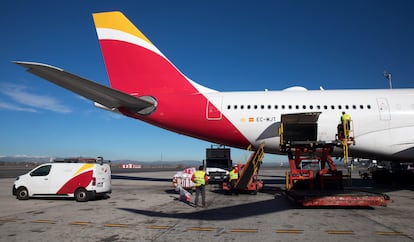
(225, 45)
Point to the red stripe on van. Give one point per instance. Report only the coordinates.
(81, 180)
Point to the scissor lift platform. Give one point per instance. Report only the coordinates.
(322, 186)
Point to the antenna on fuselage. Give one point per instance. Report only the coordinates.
(388, 76)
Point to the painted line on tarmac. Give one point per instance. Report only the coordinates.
(339, 231)
(6, 220)
(202, 229)
(289, 231)
(116, 225)
(157, 227)
(384, 233)
(44, 221)
(80, 223)
(243, 230)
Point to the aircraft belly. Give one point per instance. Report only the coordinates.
(387, 144)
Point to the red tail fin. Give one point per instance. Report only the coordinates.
(134, 64)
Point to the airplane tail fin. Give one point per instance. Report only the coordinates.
(133, 63)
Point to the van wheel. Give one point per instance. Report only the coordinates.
(22, 194)
(81, 195)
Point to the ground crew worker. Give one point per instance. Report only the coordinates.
(201, 180)
(233, 177)
(346, 122)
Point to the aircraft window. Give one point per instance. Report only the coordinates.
(297, 106)
(248, 106)
(339, 107)
(290, 106)
(361, 106)
(235, 106)
(346, 107)
(318, 106)
(353, 106)
(241, 106)
(255, 106)
(304, 106)
(269, 106)
(228, 106)
(311, 106)
(369, 106)
(332, 107)
(261, 106)
(283, 106)
(325, 107)
(276, 106)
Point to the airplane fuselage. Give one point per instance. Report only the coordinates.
(382, 119)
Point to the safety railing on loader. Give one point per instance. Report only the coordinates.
(251, 167)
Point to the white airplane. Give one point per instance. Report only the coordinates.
(146, 86)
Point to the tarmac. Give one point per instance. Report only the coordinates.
(145, 207)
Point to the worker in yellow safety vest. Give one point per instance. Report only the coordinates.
(201, 180)
(233, 177)
(346, 122)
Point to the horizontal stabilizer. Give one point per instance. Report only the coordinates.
(106, 96)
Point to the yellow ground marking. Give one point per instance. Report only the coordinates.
(202, 229)
(339, 231)
(390, 233)
(117, 225)
(244, 230)
(79, 223)
(289, 231)
(157, 227)
(44, 221)
(5, 220)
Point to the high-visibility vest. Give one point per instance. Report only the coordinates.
(345, 117)
(233, 175)
(199, 178)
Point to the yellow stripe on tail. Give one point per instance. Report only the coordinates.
(117, 21)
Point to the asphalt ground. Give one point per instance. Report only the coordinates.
(145, 207)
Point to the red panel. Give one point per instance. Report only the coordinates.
(81, 180)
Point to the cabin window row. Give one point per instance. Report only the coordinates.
(303, 107)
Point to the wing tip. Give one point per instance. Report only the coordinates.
(29, 65)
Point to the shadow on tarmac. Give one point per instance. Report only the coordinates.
(224, 213)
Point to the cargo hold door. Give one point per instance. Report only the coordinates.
(299, 128)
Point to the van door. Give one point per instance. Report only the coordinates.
(40, 180)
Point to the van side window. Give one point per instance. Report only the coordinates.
(41, 171)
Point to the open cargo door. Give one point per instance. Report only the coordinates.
(299, 128)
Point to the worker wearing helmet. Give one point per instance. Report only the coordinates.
(233, 177)
(201, 180)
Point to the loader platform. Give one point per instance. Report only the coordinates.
(313, 179)
(335, 198)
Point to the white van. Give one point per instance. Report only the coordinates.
(74, 178)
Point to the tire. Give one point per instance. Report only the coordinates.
(81, 195)
(22, 194)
